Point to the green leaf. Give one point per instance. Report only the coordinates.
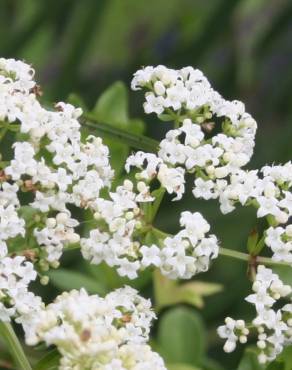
(165, 117)
(210, 364)
(285, 273)
(181, 367)
(277, 366)
(110, 279)
(112, 109)
(66, 280)
(203, 288)
(283, 361)
(77, 101)
(112, 105)
(28, 213)
(133, 140)
(169, 292)
(250, 361)
(181, 336)
(49, 362)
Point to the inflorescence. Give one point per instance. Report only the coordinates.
(59, 169)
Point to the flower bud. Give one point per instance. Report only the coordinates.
(51, 222)
(44, 280)
(62, 218)
(229, 346)
(159, 88)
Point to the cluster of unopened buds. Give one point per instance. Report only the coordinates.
(59, 169)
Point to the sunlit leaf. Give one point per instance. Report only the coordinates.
(170, 292)
(112, 105)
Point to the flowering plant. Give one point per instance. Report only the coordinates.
(61, 190)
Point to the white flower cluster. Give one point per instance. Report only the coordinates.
(190, 251)
(151, 166)
(119, 218)
(233, 331)
(11, 224)
(279, 239)
(52, 162)
(182, 256)
(273, 326)
(269, 189)
(187, 96)
(82, 170)
(15, 299)
(58, 232)
(61, 169)
(91, 332)
(213, 139)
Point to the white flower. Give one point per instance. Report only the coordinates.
(142, 77)
(172, 179)
(194, 133)
(204, 189)
(267, 206)
(287, 202)
(151, 255)
(154, 104)
(261, 299)
(232, 331)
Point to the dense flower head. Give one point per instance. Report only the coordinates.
(63, 170)
(181, 256)
(51, 161)
(92, 332)
(269, 189)
(152, 167)
(196, 146)
(15, 299)
(190, 250)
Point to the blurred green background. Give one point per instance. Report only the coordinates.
(245, 49)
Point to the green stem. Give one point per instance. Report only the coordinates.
(234, 254)
(14, 346)
(176, 124)
(133, 140)
(246, 257)
(160, 234)
(269, 261)
(158, 194)
(4, 130)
